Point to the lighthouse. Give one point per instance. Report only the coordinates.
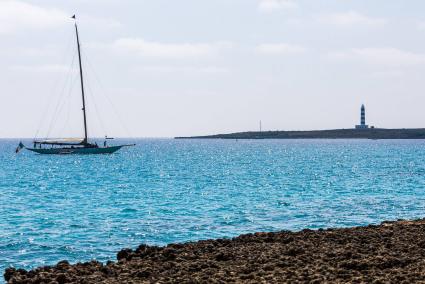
(362, 124)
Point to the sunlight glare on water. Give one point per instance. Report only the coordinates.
(161, 191)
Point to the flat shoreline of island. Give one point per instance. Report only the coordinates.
(369, 133)
(393, 251)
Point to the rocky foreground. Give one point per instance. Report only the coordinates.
(391, 252)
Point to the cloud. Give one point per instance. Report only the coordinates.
(279, 49)
(22, 51)
(17, 15)
(387, 74)
(186, 69)
(420, 25)
(104, 23)
(351, 18)
(273, 5)
(168, 50)
(381, 56)
(47, 68)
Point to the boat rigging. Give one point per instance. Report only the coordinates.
(73, 145)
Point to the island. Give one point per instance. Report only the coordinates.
(368, 133)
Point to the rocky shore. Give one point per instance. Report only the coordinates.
(393, 252)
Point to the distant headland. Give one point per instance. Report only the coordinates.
(361, 131)
(369, 133)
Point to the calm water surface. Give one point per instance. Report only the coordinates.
(162, 191)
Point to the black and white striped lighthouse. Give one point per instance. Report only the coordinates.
(362, 116)
(362, 124)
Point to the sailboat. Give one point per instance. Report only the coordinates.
(73, 145)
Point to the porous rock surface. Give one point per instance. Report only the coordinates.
(393, 252)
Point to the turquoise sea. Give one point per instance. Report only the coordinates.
(163, 190)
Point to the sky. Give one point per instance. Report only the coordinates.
(165, 68)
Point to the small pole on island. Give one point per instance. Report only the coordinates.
(260, 127)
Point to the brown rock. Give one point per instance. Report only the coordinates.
(390, 253)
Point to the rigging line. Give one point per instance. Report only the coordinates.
(91, 94)
(53, 124)
(52, 92)
(48, 104)
(107, 97)
(67, 80)
(63, 102)
(67, 114)
(69, 83)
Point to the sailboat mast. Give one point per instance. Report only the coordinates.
(82, 84)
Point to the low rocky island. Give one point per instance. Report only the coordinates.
(392, 252)
(369, 133)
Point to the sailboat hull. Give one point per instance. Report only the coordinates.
(76, 151)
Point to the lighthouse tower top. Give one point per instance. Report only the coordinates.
(362, 124)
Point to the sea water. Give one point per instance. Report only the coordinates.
(164, 191)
